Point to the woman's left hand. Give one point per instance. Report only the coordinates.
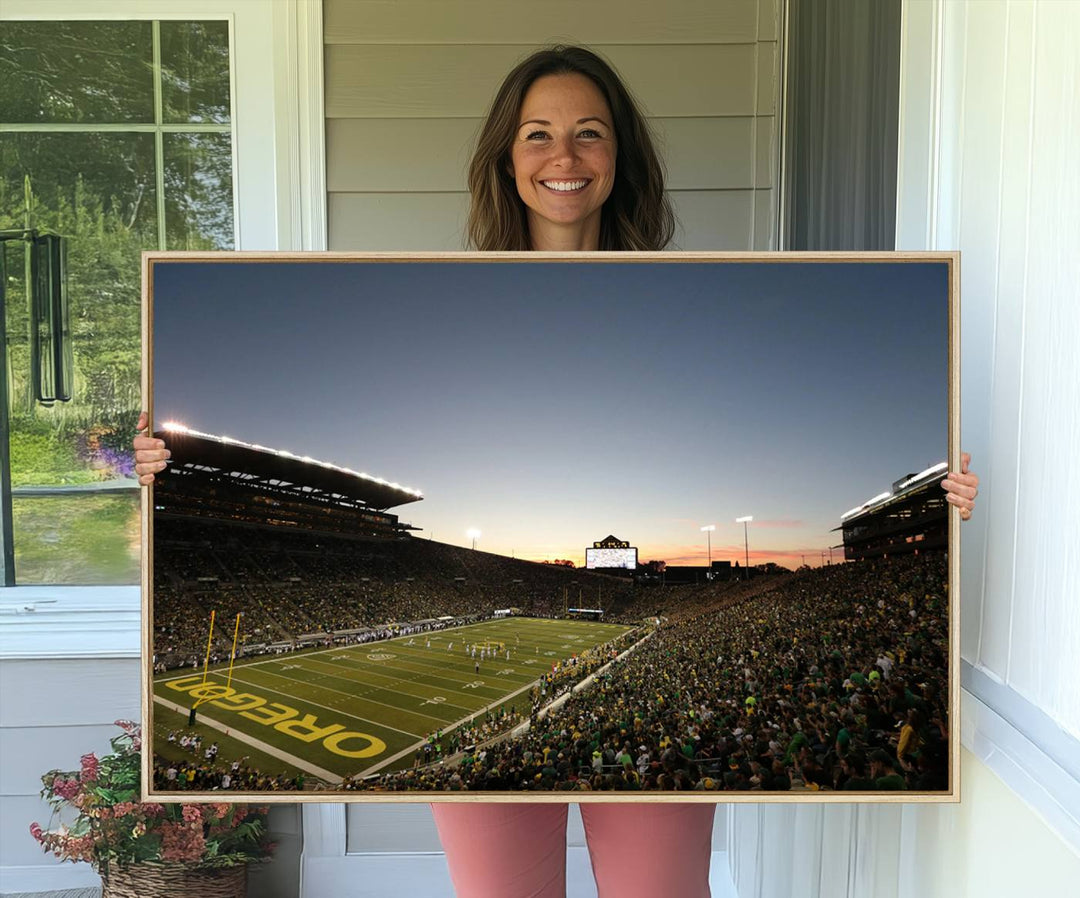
(962, 488)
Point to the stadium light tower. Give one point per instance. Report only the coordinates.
(473, 535)
(708, 530)
(745, 521)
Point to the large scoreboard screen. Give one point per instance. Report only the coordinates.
(611, 558)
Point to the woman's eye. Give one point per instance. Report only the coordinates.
(589, 132)
(536, 135)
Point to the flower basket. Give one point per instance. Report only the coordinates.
(174, 881)
(147, 849)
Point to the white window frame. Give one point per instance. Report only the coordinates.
(279, 204)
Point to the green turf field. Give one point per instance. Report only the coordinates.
(363, 709)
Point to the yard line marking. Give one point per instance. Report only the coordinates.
(399, 685)
(608, 629)
(395, 681)
(320, 772)
(367, 670)
(355, 698)
(375, 768)
(339, 711)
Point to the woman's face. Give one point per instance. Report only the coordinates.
(563, 158)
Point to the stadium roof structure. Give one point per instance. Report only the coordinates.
(902, 488)
(910, 517)
(281, 470)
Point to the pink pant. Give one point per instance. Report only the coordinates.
(519, 850)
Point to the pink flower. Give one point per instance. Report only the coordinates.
(65, 788)
(153, 810)
(123, 808)
(36, 832)
(89, 768)
(180, 842)
(191, 813)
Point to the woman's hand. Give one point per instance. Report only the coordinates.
(961, 489)
(150, 453)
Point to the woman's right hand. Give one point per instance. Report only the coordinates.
(150, 453)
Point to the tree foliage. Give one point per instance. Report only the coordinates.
(99, 190)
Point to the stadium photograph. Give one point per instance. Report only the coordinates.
(666, 527)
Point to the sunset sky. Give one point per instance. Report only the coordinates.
(551, 404)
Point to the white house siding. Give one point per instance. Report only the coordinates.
(408, 83)
(53, 711)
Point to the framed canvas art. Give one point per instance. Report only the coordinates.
(600, 527)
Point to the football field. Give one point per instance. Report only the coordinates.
(363, 709)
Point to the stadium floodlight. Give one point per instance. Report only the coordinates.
(708, 530)
(174, 427)
(880, 497)
(745, 521)
(914, 478)
(473, 535)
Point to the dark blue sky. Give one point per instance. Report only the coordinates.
(550, 404)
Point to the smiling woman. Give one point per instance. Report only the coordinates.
(562, 117)
(563, 160)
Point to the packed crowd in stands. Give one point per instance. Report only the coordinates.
(292, 584)
(202, 773)
(827, 679)
(832, 679)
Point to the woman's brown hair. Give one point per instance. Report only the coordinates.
(637, 214)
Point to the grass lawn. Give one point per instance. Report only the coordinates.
(343, 711)
(230, 747)
(82, 539)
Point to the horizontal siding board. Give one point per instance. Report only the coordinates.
(381, 154)
(459, 81)
(28, 752)
(765, 213)
(409, 222)
(765, 151)
(768, 27)
(413, 222)
(706, 153)
(712, 219)
(392, 155)
(65, 693)
(768, 77)
(522, 22)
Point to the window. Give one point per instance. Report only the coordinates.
(118, 136)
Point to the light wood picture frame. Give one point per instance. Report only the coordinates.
(333, 648)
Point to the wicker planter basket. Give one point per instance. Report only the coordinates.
(174, 881)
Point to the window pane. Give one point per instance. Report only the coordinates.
(75, 500)
(195, 71)
(98, 191)
(198, 192)
(106, 177)
(76, 72)
(83, 539)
